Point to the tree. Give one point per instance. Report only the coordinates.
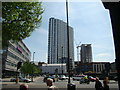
(29, 68)
(37, 70)
(19, 20)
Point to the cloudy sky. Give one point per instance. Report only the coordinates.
(91, 24)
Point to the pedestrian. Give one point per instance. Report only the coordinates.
(49, 83)
(23, 87)
(105, 85)
(98, 84)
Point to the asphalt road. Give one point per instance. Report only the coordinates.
(61, 84)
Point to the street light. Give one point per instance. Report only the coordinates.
(68, 41)
(32, 68)
(69, 86)
(33, 56)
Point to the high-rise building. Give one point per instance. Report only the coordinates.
(86, 53)
(58, 44)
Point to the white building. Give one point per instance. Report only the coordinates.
(58, 44)
(51, 68)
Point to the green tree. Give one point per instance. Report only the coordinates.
(19, 20)
(37, 70)
(29, 68)
(26, 68)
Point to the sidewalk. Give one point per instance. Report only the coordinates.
(6, 84)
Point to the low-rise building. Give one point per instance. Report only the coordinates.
(93, 67)
(54, 68)
(11, 55)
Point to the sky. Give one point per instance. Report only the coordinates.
(91, 23)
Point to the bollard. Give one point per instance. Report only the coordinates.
(71, 86)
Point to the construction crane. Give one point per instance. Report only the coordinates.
(78, 54)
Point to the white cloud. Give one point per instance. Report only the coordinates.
(103, 55)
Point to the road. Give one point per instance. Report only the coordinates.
(61, 84)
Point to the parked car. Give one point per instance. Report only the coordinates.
(78, 77)
(67, 77)
(45, 78)
(21, 79)
(55, 76)
(62, 77)
(92, 78)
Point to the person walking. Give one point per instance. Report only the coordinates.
(105, 85)
(98, 84)
(49, 83)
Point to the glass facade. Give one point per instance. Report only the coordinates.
(57, 42)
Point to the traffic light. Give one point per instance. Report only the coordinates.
(19, 65)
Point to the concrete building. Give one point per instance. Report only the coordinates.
(57, 43)
(54, 69)
(93, 67)
(76, 63)
(14, 53)
(86, 53)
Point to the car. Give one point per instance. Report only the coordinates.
(45, 78)
(78, 77)
(92, 78)
(67, 77)
(21, 79)
(82, 80)
(62, 77)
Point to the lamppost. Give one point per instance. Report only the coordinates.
(33, 64)
(33, 56)
(68, 41)
(69, 86)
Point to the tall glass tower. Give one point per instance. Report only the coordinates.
(57, 43)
